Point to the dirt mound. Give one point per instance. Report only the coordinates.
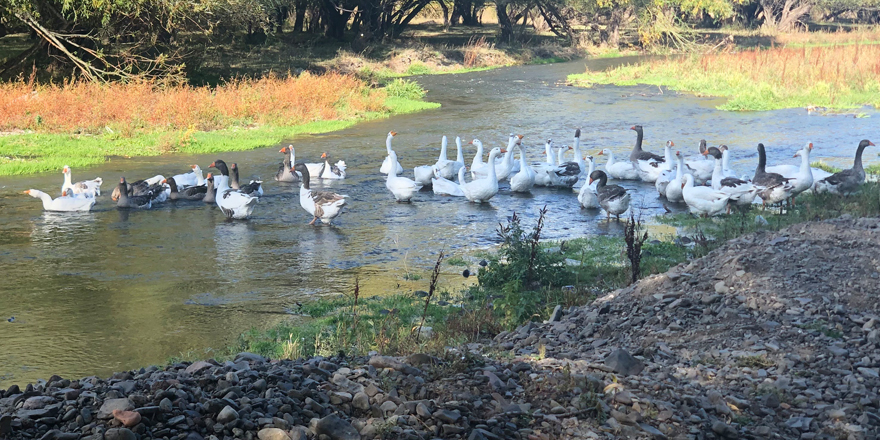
(771, 335)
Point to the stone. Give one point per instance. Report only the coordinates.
(37, 402)
(336, 429)
(227, 414)
(447, 416)
(556, 316)
(119, 434)
(721, 288)
(654, 432)
(165, 405)
(272, 434)
(197, 367)
(110, 405)
(5, 425)
(361, 401)
(623, 363)
(388, 407)
(250, 357)
(724, 430)
(129, 419)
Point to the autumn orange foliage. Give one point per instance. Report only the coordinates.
(83, 107)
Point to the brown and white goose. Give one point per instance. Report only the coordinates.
(323, 205)
(772, 187)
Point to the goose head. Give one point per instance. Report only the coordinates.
(598, 176)
(65, 170)
(714, 152)
(637, 128)
(221, 166)
(703, 150)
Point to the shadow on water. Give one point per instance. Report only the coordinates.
(109, 290)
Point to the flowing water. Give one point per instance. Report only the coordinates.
(111, 290)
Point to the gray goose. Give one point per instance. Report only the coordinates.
(846, 181)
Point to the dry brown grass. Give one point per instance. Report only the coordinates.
(84, 107)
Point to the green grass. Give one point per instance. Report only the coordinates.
(39, 152)
(836, 77)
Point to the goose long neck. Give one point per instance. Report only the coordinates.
(548, 150)
(172, 184)
(459, 157)
(592, 168)
(610, 157)
(805, 159)
(43, 197)
(222, 183)
(679, 170)
(857, 163)
(639, 135)
(725, 159)
(68, 180)
(522, 158)
(443, 149)
(461, 176)
(388, 143)
(233, 178)
(492, 176)
(717, 175)
(762, 159)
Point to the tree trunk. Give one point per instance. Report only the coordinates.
(504, 21)
(445, 9)
(300, 19)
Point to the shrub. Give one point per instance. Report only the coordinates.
(401, 88)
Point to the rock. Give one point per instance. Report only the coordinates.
(197, 367)
(37, 402)
(654, 432)
(165, 405)
(388, 407)
(272, 434)
(129, 419)
(337, 429)
(56, 434)
(556, 316)
(250, 357)
(361, 401)
(838, 351)
(110, 405)
(119, 434)
(227, 415)
(623, 363)
(771, 401)
(5, 425)
(447, 416)
(721, 288)
(724, 430)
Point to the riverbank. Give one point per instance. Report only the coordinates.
(46, 126)
(645, 361)
(835, 75)
(566, 274)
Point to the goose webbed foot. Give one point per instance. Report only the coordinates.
(312, 223)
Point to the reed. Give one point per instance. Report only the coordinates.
(838, 76)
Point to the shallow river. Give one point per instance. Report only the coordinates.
(108, 290)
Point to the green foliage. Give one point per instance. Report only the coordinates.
(418, 69)
(402, 88)
(521, 259)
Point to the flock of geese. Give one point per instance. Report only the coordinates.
(707, 186)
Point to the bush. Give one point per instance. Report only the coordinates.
(401, 88)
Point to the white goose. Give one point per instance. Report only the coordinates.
(233, 204)
(619, 170)
(481, 190)
(423, 174)
(401, 187)
(192, 178)
(726, 170)
(702, 200)
(668, 172)
(66, 203)
(503, 167)
(801, 178)
(699, 167)
(546, 172)
(673, 189)
(587, 195)
(88, 188)
(477, 163)
(446, 187)
(459, 156)
(524, 180)
(741, 192)
(387, 164)
(323, 205)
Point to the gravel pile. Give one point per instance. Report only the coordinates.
(773, 335)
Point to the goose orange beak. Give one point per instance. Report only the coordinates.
(323, 155)
(213, 164)
(600, 153)
(209, 176)
(671, 144)
(28, 192)
(392, 133)
(519, 136)
(503, 150)
(164, 181)
(811, 146)
(633, 127)
(871, 143)
(590, 182)
(283, 150)
(193, 166)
